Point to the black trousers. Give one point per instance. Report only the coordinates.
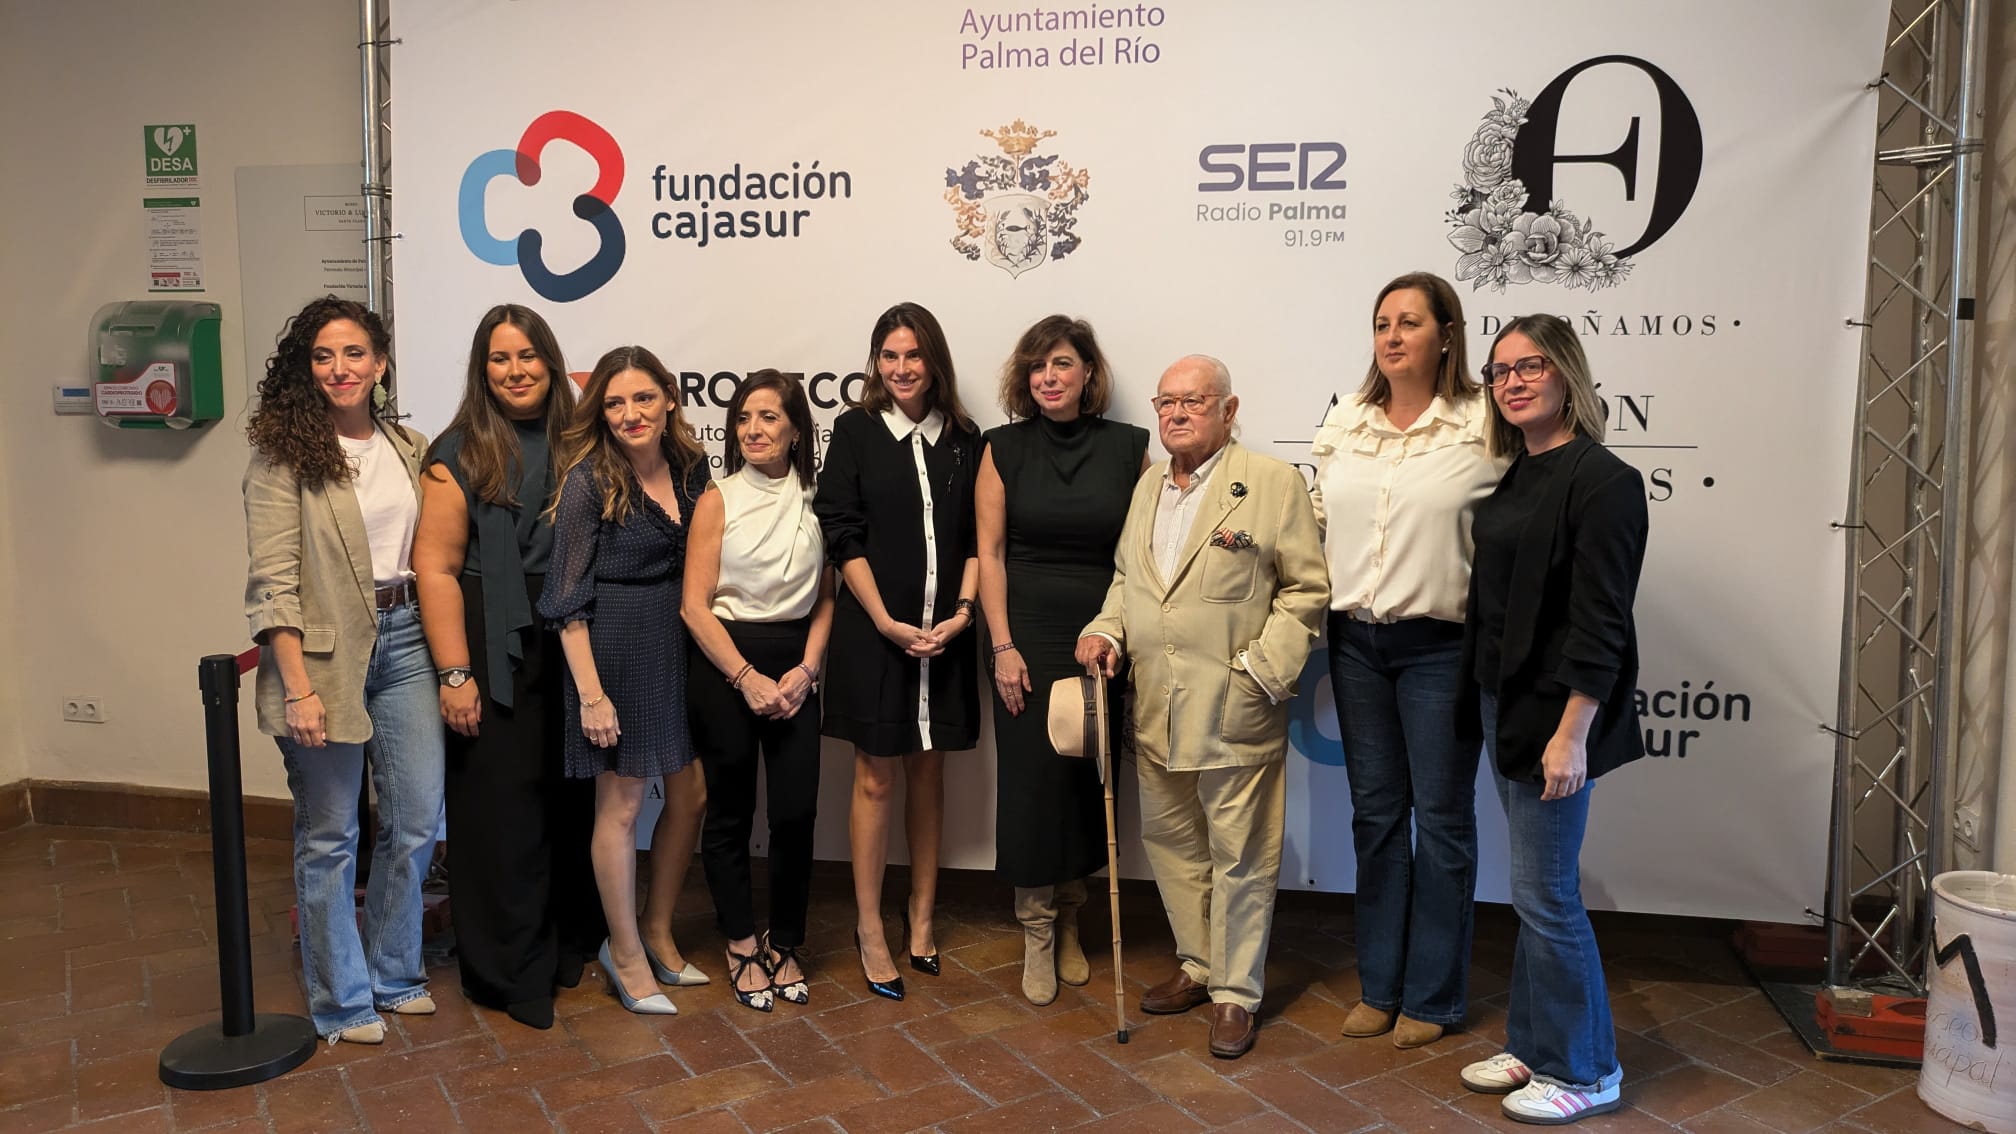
(521, 886)
(727, 737)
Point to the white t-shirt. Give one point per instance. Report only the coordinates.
(385, 494)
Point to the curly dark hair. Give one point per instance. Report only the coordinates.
(291, 426)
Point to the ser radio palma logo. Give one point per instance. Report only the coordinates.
(1018, 208)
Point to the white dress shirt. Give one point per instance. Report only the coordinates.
(1396, 507)
(1176, 509)
(771, 549)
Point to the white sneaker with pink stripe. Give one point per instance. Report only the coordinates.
(1501, 1074)
(1545, 1104)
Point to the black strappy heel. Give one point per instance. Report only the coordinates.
(762, 999)
(774, 959)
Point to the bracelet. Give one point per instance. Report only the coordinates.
(735, 682)
(594, 702)
(809, 675)
(965, 606)
(297, 700)
(1004, 647)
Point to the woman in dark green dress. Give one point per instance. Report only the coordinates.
(1051, 499)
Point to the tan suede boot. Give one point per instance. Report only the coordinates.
(1072, 968)
(1036, 909)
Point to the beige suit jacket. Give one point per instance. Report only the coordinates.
(310, 570)
(1194, 708)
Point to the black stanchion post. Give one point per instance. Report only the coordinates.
(245, 1047)
(218, 677)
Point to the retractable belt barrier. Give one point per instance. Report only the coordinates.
(245, 1047)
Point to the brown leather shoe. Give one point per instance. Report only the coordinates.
(1176, 995)
(1232, 1031)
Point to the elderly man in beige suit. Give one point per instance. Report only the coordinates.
(1219, 589)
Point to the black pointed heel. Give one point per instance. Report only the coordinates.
(887, 989)
(927, 964)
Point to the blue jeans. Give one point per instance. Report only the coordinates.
(1558, 1022)
(1396, 687)
(350, 976)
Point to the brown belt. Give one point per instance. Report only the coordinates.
(398, 594)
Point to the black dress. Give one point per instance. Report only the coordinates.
(526, 909)
(871, 504)
(624, 581)
(1067, 488)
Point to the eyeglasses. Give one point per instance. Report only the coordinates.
(1529, 368)
(1191, 403)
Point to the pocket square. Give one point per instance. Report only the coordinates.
(1236, 541)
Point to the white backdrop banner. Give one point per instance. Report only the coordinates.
(740, 186)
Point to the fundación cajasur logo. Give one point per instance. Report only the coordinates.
(593, 206)
(1017, 208)
(1511, 229)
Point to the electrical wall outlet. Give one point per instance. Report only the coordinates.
(1967, 827)
(84, 710)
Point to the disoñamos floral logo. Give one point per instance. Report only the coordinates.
(1503, 240)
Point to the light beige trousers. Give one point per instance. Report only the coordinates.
(1213, 840)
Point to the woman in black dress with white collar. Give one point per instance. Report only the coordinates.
(896, 505)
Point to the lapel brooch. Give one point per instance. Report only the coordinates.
(1229, 539)
(1238, 488)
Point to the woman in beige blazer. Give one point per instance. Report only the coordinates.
(331, 500)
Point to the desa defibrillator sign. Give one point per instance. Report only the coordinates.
(171, 156)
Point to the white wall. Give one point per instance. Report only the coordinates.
(124, 552)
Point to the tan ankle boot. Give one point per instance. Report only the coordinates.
(1035, 908)
(1072, 968)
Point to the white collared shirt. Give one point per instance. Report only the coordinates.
(918, 434)
(1396, 506)
(1176, 509)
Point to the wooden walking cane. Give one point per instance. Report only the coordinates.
(1112, 856)
(1078, 728)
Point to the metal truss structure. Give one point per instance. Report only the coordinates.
(1893, 815)
(374, 43)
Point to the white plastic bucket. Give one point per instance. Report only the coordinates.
(1969, 1072)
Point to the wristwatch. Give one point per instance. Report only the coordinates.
(456, 676)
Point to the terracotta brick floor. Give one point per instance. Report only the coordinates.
(107, 956)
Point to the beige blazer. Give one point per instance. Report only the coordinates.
(1194, 708)
(310, 570)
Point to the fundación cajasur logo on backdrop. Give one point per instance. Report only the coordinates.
(596, 206)
(1018, 208)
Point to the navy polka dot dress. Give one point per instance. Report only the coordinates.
(624, 581)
